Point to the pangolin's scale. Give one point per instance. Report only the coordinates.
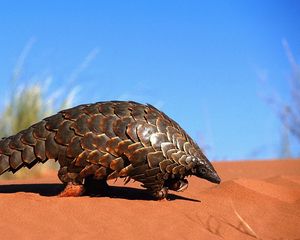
(105, 140)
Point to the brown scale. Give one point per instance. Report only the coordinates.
(106, 140)
(120, 126)
(28, 155)
(27, 137)
(91, 109)
(80, 125)
(15, 143)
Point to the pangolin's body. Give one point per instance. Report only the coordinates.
(107, 140)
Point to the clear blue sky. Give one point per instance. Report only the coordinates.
(198, 61)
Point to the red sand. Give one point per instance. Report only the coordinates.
(263, 195)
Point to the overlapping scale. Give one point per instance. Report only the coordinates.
(122, 147)
(94, 123)
(15, 160)
(51, 147)
(138, 112)
(27, 137)
(39, 150)
(139, 156)
(4, 163)
(170, 132)
(121, 109)
(165, 147)
(100, 141)
(131, 130)
(28, 155)
(73, 113)
(91, 109)
(53, 122)
(81, 126)
(64, 134)
(177, 155)
(74, 148)
(100, 173)
(162, 124)
(81, 159)
(163, 164)
(144, 132)
(95, 156)
(106, 108)
(157, 139)
(117, 164)
(154, 158)
(152, 115)
(112, 144)
(106, 125)
(120, 125)
(39, 130)
(16, 143)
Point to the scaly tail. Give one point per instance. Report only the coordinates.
(28, 147)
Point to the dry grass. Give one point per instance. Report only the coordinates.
(243, 225)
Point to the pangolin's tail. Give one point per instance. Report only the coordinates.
(26, 148)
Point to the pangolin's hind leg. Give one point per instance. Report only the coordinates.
(72, 190)
(74, 187)
(95, 187)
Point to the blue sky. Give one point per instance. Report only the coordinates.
(201, 62)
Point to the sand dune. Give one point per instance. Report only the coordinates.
(257, 199)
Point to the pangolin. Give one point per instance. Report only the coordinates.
(106, 140)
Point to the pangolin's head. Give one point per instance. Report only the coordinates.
(204, 169)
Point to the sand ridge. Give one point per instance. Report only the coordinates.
(257, 199)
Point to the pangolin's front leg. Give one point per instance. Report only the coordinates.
(178, 185)
(160, 191)
(157, 189)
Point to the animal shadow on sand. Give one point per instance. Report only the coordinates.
(53, 189)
